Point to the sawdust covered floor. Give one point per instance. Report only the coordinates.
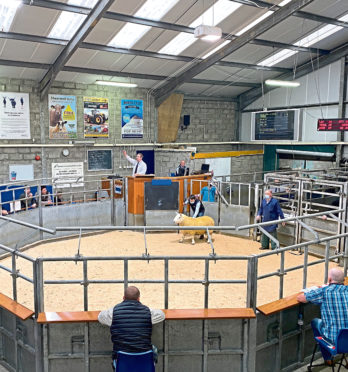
(69, 297)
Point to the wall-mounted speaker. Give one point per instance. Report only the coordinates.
(186, 120)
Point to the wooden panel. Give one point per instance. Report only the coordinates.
(225, 154)
(346, 280)
(105, 184)
(168, 122)
(68, 316)
(15, 308)
(92, 316)
(279, 305)
(175, 314)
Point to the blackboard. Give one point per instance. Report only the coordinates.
(162, 197)
(99, 160)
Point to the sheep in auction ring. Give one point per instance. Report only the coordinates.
(183, 220)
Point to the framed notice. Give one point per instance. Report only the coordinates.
(14, 116)
(62, 116)
(67, 174)
(19, 172)
(96, 117)
(99, 160)
(132, 118)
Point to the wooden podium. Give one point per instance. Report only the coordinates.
(136, 192)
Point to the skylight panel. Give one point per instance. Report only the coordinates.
(7, 12)
(216, 49)
(252, 24)
(307, 41)
(68, 23)
(213, 15)
(130, 33)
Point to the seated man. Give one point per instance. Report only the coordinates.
(333, 301)
(27, 199)
(181, 170)
(130, 323)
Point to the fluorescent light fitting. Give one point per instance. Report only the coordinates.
(116, 84)
(130, 33)
(208, 33)
(282, 83)
(7, 12)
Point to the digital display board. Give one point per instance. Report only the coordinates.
(328, 125)
(279, 125)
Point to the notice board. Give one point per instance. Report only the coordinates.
(99, 160)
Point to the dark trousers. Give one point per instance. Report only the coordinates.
(265, 240)
(316, 327)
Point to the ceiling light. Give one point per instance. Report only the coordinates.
(116, 84)
(208, 33)
(282, 83)
(219, 11)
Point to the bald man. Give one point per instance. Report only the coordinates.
(333, 302)
(269, 211)
(130, 323)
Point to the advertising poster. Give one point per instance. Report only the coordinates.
(96, 116)
(14, 116)
(66, 174)
(132, 118)
(62, 114)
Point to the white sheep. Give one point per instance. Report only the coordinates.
(183, 220)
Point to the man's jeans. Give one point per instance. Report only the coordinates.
(316, 326)
(265, 240)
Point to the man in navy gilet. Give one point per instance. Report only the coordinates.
(130, 323)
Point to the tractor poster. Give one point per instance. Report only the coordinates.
(132, 118)
(96, 116)
(62, 116)
(14, 116)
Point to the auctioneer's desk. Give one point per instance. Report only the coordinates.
(136, 192)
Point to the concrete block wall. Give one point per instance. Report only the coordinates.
(246, 164)
(210, 121)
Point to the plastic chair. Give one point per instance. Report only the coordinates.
(135, 362)
(340, 347)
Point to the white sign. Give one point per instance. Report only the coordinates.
(66, 174)
(14, 116)
(21, 172)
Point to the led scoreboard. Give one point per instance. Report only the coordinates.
(332, 125)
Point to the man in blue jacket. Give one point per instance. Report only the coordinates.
(130, 323)
(269, 211)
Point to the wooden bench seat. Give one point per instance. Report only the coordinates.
(171, 314)
(15, 308)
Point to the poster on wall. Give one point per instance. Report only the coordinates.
(132, 118)
(66, 174)
(18, 172)
(14, 116)
(96, 116)
(62, 114)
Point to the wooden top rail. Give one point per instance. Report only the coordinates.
(279, 305)
(15, 308)
(92, 316)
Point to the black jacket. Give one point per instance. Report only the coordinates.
(131, 328)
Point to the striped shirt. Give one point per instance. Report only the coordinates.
(333, 301)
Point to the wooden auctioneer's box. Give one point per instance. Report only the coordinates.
(136, 192)
(118, 187)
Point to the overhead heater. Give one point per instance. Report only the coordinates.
(209, 33)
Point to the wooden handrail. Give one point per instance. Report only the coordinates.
(279, 305)
(171, 314)
(15, 308)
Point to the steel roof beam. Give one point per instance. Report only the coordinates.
(280, 15)
(248, 97)
(135, 52)
(87, 26)
(299, 14)
(158, 24)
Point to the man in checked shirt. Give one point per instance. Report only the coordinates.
(333, 301)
